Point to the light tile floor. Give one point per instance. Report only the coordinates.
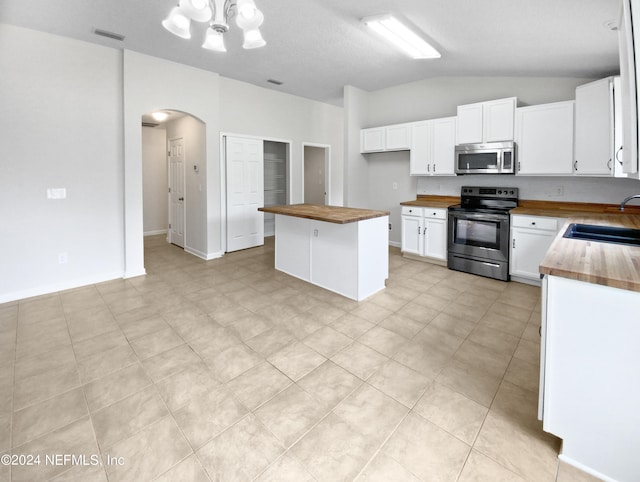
(229, 370)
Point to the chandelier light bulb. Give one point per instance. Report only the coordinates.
(246, 9)
(250, 23)
(253, 39)
(214, 41)
(217, 13)
(197, 10)
(177, 23)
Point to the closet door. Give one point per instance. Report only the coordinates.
(245, 193)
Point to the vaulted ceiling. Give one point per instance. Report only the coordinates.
(315, 47)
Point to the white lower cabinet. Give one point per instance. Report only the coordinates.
(424, 232)
(412, 230)
(351, 259)
(531, 237)
(590, 383)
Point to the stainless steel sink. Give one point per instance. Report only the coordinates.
(603, 234)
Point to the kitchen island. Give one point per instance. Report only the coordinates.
(344, 250)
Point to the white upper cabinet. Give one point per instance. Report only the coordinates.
(420, 156)
(470, 120)
(444, 144)
(498, 120)
(387, 138)
(372, 140)
(398, 137)
(432, 148)
(618, 129)
(491, 121)
(594, 132)
(628, 76)
(544, 139)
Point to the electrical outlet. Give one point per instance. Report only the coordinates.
(394, 186)
(62, 258)
(559, 191)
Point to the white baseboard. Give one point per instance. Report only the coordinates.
(153, 233)
(584, 468)
(133, 274)
(62, 286)
(201, 255)
(395, 244)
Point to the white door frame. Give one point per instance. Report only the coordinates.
(327, 169)
(223, 178)
(184, 189)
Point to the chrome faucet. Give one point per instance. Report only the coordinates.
(635, 196)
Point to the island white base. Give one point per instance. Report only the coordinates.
(351, 259)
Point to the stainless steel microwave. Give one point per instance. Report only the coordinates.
(489, 158)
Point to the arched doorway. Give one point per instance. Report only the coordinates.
(174, 162)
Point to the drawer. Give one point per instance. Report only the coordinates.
(435, 213)
(534, 222)
(411, 211)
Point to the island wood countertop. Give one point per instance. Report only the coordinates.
(330, 214)
(614, 265)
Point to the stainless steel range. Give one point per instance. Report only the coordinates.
(478, 231)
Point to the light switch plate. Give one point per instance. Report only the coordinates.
(56, 193)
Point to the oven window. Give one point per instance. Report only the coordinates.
(488, 160)
(484, 234)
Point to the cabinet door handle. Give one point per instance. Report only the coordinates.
(418, 230)
(617, 154)
(513, 243)
(434, 167)
(428, 167)
(609, 164)
(575, 165)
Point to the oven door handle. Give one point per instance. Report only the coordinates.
(481, 216)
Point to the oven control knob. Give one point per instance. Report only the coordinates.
(510, 192)
(499, 192)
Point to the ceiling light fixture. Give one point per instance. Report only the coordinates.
(218, 13)
(401, 36)
(160, 116)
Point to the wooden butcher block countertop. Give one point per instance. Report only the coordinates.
(567, 210)
(607, 264)
(330, 214)
(426, 201)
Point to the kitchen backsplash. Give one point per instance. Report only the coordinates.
(575, 189)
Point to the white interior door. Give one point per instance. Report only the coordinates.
(245, 193)
(176, 192)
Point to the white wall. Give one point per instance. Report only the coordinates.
(154, 84)
(60, 128)
(155, 182)
(356, 193)
(194, 134)
(576, 189)
(254, 111)
(439, 97)
(71, 118)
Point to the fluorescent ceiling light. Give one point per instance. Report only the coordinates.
(399, 35)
